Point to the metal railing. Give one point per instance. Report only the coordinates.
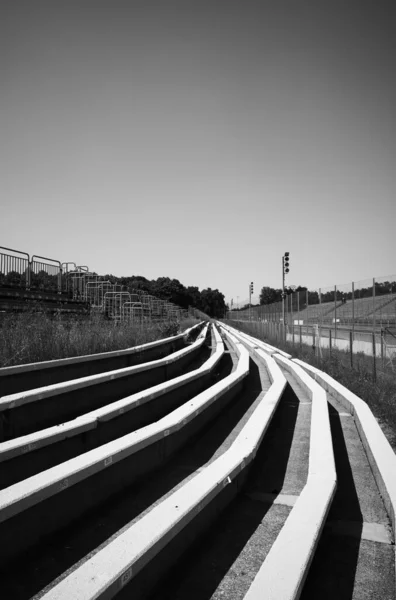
(14, 268)
(355, 317)
(45, 274)
(363, 305)
(38, 273)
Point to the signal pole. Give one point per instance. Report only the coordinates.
(250, 300)
(285, 270)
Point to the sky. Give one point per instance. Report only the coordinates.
(201, 139)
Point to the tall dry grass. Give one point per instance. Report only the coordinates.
(38, 336)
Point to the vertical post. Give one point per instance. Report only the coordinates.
(351, 346)
(335, 312)
(250, 302)
(320, 323)
(374, 364)
(287, 316)
(330, 341)
(300, 337)
(298, 305)
(382, 348)
(307, 301)
(374, 322)
(353, 307)
(291, 315)
(320, 306)
(283, 289)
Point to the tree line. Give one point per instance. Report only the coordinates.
(270, 295)
(209, 301)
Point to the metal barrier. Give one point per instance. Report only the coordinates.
(360, 305)
(113, 302)
(18, 270)
(45, 274)
(14, 268)
(95, 291)
(132, 311)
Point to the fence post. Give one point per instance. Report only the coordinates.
(353, 306)
(293, 332)
(374, 320)
(298, 305)
(307, 302)
(374, 365)
(382, 348)
(335, 312)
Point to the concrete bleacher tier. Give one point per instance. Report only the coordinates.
(28, 411)
(384, 308)
(316, 312)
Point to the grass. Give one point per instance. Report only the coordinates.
(38, 336)
(378, 392)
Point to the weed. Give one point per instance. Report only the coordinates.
(39, 336)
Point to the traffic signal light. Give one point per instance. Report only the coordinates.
(286, 262)
(251, 287)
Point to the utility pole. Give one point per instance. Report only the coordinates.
(250, 300)
(285, 270)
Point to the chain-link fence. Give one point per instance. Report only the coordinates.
(357, 317)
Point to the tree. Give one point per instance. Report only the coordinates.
(212, 303)
(269, 295)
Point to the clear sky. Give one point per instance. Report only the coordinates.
(202, 139)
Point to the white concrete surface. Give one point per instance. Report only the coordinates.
(88, 421)
(114, 566)
(28, 396)
(29, 492)
(379, 452)
(285, 568)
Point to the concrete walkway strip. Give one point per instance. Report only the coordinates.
(285, 568)
(108, 571)
(48, 364)
(88, 421)
(269, 498)
(20, 496)
(21, 398)
(379, 452)
(372, 532)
